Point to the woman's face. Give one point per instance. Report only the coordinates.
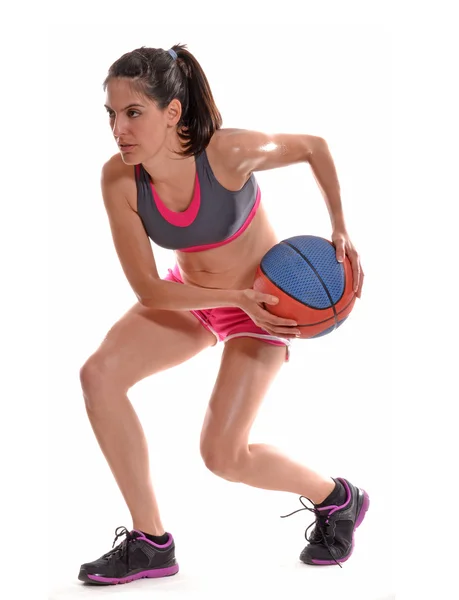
(135, 122)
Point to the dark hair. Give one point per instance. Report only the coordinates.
(156, 75)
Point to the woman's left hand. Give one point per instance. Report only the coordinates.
(343, 245)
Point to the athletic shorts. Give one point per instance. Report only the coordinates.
(230, 322)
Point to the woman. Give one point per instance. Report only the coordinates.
(189, 185)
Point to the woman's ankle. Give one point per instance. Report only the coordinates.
(155, 529)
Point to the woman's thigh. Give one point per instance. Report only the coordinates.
(143, 342)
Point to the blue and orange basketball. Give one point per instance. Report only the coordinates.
(313, 288)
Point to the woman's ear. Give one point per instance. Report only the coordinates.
(174, 112)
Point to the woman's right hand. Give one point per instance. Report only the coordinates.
(252, 303)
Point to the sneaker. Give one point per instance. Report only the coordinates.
(136, 557)
(333, 535)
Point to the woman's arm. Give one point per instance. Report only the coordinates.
(245, 151)
(135, 254)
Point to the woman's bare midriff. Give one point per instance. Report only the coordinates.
(232, 265)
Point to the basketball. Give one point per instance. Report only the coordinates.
(313, 288)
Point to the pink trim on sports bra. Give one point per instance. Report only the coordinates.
(235, 235)
(179, 219)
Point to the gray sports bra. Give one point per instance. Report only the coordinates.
(215, 216)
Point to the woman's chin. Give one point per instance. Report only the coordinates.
(130, 158)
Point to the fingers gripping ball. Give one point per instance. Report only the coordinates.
(313, 288)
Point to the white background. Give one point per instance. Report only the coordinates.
(420, 245)
(330, 407)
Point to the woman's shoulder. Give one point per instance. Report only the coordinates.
(117, 171)
(221, 146)
(115, 167)
(221, 140)
(222, 153)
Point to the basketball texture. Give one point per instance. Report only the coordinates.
(313, 288)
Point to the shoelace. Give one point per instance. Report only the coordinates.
(121, 550)
(321, 523)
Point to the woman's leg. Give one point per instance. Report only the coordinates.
(143, 342)
(247, 369)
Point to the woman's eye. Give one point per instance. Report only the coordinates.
(111, 115)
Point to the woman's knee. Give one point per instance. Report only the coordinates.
(223, 460)
(96, 375)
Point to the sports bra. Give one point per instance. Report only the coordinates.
(215, 217)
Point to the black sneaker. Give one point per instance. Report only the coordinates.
(333, 534)
(136, 557)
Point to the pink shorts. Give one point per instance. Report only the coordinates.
(230, 322)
